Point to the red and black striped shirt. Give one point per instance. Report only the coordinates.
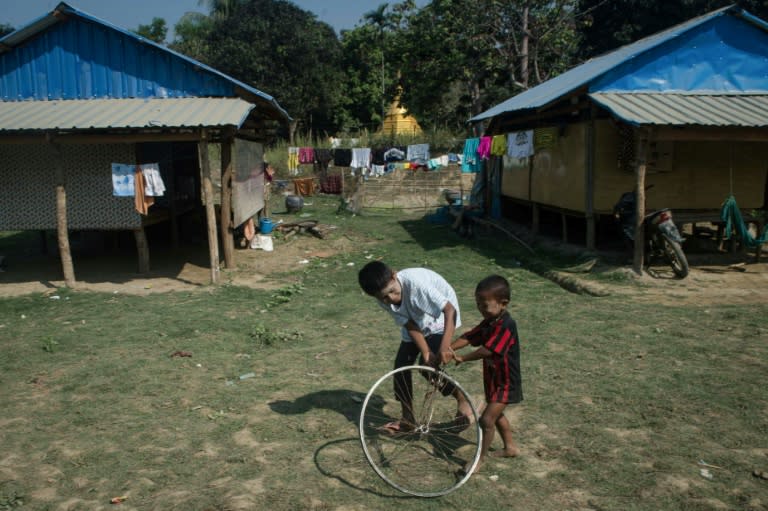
(501, 370)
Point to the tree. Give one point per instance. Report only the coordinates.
(279, 49)
(371, 67)
(605, 25)
(191, 35)
(482, 50)
(6, 29)
(155, 31)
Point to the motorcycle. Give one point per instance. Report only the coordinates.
(662, 238)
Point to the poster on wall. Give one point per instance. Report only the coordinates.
(123, 179)
(247, 180)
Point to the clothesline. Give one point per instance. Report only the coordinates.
(380, 160)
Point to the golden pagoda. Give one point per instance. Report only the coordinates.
(397, 121)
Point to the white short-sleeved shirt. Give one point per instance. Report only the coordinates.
(424, 295)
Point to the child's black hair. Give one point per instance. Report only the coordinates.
(374, 276)
(496, 285)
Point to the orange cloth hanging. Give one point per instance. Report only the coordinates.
(141, 201)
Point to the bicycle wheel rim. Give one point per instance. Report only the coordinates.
(442, 451)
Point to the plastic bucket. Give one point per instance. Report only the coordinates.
(265, 225)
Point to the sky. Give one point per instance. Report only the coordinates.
(129, 14)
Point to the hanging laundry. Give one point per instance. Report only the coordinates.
(123, 180)
(331, 184)
(361, 158)
(141, 202)
(418, 152)
(304, 187)
(377, 156)
(249, 229)
(306, 155)
(499, 145)
(293, 160)
(394, 154)
(520, 144)
(153, 181)
(378, 170)
(323, 158)
(342, 157)
(470, 160)
(544, 137)
(484, 148)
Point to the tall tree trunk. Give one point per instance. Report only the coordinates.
(524, 49)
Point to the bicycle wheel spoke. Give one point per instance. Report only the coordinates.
(426, 457)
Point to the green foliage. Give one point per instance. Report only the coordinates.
(49, 345)
(285, 295)
(278, 48)
(265, 336)
(605, 26)
(191, 35)
(460, 57)
(155, 31)
(6, 29)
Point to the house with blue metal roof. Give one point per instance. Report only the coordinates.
(684, 110)
(81, 97)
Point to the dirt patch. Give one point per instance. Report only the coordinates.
(185, 269)
(715, 278)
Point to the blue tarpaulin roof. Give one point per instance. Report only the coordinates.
(722, 53)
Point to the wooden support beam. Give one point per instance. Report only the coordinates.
(564, 219)
(62, 229)
(227, 235)
(642, 150)
(210, 210)
(142, 249)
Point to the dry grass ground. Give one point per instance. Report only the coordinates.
(628, 397)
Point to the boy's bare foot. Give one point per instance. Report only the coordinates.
(396, 427)
(507, 452)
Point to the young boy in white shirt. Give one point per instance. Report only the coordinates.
(426, 308)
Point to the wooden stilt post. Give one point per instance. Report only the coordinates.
(62, 229)
(142, 249)
(564, 220)
(642, 148)
(210, 209)
(227, 236)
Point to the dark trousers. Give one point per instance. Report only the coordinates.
(407, 355)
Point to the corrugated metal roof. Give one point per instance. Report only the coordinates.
(122, 113)
(687, 109)
(580, 76)
(84, 57)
